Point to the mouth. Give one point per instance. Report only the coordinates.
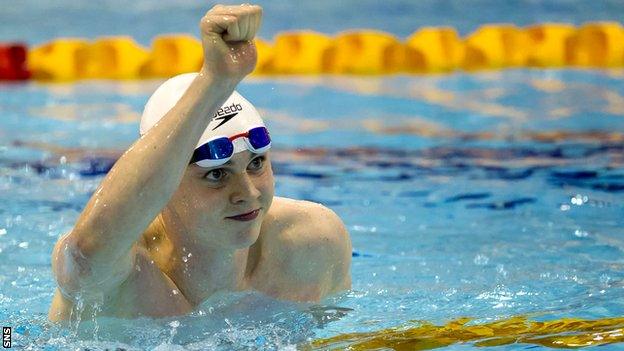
(249, 216)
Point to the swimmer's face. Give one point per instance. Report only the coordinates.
(219, 204)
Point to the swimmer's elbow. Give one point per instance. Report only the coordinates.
(76, 273)
(63, 266)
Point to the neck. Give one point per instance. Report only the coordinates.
(199, 268)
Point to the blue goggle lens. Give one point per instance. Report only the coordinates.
(259, 137)
(216, 149)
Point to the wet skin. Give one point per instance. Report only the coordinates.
(294, 250)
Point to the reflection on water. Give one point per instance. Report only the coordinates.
(117, 113)
(519, 96)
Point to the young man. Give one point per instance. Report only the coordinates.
(189, 210)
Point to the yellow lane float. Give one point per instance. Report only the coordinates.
(434, 50)
(300, 52)
(173, 54)
(366, 52)
(597, 45)
(113, 58)
(496, 46)
(265, 57)
(547, 44)
(59, 60)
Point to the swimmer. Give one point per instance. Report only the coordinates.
(189, 209)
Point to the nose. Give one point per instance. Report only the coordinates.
(244, 190)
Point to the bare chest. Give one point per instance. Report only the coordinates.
(278, 275)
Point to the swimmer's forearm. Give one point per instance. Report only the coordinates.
(144, 178)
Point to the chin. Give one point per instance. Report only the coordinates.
(246, 237)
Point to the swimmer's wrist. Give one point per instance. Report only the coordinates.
(220, 82)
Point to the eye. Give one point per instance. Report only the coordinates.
(257, 163)
(216, 175)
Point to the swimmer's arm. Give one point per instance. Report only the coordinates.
(98, 254)
(99, 250)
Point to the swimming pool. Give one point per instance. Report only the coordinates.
(488, 195)
(493, 195)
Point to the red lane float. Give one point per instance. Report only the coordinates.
(13, 61)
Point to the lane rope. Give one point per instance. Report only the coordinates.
(359, 52)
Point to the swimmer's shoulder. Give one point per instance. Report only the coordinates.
(322, 223)
(313, 242)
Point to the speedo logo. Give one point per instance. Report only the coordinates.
(226, 113)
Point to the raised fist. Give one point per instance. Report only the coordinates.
(227, 33)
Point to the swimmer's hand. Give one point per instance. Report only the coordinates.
(227, 33)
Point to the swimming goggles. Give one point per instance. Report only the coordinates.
(219, 150)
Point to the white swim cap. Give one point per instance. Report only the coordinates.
(236, 116)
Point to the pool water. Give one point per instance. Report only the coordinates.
(489, 195)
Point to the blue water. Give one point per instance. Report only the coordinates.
(460, 197)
